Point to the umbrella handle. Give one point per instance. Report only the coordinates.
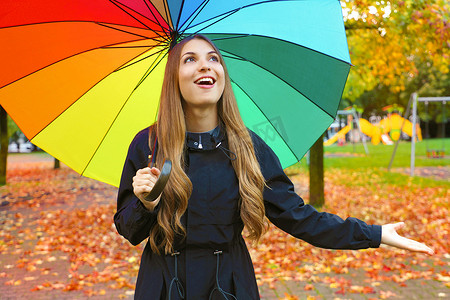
(160, 182)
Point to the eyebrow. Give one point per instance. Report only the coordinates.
(193, 53)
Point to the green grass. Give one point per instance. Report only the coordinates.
(351, 158)
(380, 155)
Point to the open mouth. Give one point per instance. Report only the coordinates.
(205, 81)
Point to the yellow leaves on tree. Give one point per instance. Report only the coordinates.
(389, 40)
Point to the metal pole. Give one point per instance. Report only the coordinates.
(360, 132)
(408, 108)
(433, 99)
(413, 136)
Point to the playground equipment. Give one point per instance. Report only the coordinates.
(435, 153)
(373, 131)
(387, 130)
(339, 135)
(393, 125)
(351, 114)
(414, 99)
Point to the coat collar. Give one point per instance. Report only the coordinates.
(205, 140)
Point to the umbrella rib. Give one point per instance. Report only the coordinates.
(129, 32)
(235, 36)
(76, 21)
(159, 40)
(146, 4)
(149, 71)
(262, 112)
(114, 2)
(233, 57)
(179, 15)
(68, 57)
(126, 47)
(270, 37)
(108, 25)
(197, 11)
(81, 96)
(168, 16)
(118, 45)
(151, 68)
(129, 65)
(230, 12)
(212, 23)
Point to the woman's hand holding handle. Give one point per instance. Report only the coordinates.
(143, 183)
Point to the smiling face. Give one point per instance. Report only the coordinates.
(201, 74)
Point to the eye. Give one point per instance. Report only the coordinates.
(214, 58)
(188, 59)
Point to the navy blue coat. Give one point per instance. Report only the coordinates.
(213, 223)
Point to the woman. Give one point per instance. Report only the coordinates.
(224, 177)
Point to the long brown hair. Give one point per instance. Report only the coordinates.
(171, 130)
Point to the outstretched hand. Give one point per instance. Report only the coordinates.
(389, 236)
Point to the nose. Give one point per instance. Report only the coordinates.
(204, 65)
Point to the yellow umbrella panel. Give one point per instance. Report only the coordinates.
(91, 134)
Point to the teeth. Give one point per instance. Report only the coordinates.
(206, 80)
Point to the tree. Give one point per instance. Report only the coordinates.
(56, 164)
(393, 42)
(316, 176)
(3, 145)
(7, 129)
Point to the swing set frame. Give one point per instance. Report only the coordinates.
(415, 100)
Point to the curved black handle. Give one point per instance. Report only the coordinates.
(160, 182)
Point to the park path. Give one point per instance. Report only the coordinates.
(27, 274)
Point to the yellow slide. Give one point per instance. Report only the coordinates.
(367, 128)
(340, 134)
(370, 130)
(394, 123)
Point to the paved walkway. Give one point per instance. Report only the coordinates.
(28, 274)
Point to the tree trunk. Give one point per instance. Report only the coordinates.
(316, 182)
(56, 165)
(3, 145)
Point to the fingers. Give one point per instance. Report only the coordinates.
(415, 246)
(389, 236)
(398, 225)
(155, 171)
(147, 174)
(419, 247)
(144, 180)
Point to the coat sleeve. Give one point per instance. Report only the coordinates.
(286, 210)
(133, 221)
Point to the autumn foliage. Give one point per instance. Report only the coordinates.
(391, 42)
(356, 194)
(57, 234)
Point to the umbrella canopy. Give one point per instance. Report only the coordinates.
(82, 77)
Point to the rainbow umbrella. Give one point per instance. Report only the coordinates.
(82, 77)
